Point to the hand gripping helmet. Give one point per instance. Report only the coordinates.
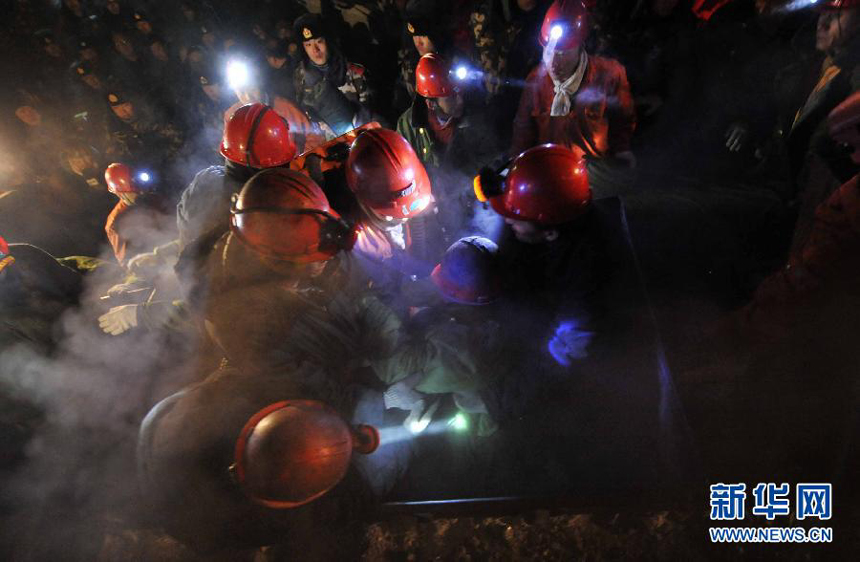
(257, 137)
(432, 77)
(292, 452)
(565, 25)
(547, 185)
(386, 175)
(282, 214)
(469, 272)
(120, 179)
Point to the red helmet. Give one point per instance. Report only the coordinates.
(547, 184)
(292, 452)
(432, 77)
(4, 247)
(119, 179)
(283, 214)
(469, 272)
(565, 24)
(257, 137)
(386, 175)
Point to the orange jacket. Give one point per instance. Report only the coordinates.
(132, 229)
(601, 119)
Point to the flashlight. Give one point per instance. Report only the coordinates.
(238, 74)
(459, 422)
(144, 177)
(461, 73)
(556, 32)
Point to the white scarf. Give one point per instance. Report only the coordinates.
(563, 90)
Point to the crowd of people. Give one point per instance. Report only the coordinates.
(332, 211)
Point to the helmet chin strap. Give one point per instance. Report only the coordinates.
(378, 221)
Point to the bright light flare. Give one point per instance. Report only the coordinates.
(556, 32)
(144, 177)
(461, 73)
(238, 74)
(459, 422)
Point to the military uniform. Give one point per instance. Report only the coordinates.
(506, 39)
(315, 94)
(471, 146)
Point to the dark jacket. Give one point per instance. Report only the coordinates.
(474, 144)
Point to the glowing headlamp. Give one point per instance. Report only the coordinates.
(556, 32)
(238, 74)
(461, 72)
(144, 177)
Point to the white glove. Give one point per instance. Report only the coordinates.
(470, 402)
(416, 422)
(402, 396)
(122, 288)
(119, 319)
(569, 343)
(142, 262)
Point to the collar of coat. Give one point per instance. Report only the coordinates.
(420, 117)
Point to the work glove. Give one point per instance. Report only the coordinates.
(416, 421)
(737, 136)
(402, 396)
(470, 402)
(119, 319)
(122, 288)
(569, 343)
(142, 263)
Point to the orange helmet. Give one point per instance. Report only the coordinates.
(386, 175)
(282, 214)
(547, 184)
(120, 179)
(257, 137)
(432, 77)
(292, 452)
(565, 25)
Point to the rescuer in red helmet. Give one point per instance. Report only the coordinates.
(392, 190)
(377, 182)
(444, 132)
(139, 221)
(572, 98)
(278, 286)
(276, 459)
(255, 138)
(560, 247)
(281, 235)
